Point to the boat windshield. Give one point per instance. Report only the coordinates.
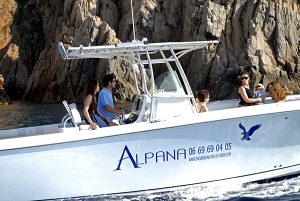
(167, 80)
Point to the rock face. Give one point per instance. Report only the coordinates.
(260, 36)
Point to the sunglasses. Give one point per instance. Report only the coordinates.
(244, 78)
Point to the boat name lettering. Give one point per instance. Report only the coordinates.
(138, 160)
(150, 157)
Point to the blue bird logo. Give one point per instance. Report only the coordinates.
(250, 132)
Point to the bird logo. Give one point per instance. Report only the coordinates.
(246, 135)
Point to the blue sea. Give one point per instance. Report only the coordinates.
(23, 114)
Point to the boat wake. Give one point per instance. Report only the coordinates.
(278, 190)
(273, 191)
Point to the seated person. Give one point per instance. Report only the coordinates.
(288, 91)
(277, 92)
(106, 104)
(202, 100)
(90, 111)
(260, 92)
(245, 93)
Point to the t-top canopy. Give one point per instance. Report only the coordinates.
(129, 49)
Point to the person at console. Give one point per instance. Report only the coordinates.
(106, 105)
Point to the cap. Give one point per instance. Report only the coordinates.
(259, 85)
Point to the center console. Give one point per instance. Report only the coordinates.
(138, 110)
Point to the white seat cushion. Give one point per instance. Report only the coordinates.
(76, 118)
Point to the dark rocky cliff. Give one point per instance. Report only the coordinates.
(260, 33)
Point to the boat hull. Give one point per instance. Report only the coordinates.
(154, 156)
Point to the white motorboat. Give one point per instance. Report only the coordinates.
(162, 143)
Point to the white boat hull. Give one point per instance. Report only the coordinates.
(200, 148)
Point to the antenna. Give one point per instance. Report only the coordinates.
(132, 18)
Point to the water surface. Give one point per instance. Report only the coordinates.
(24, 114)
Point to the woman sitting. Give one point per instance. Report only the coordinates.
(245, 93)
(277, 92)
(202, 100)
(90, 111)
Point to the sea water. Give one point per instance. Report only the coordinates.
(23, 114)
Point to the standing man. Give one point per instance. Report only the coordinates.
(106, 104)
